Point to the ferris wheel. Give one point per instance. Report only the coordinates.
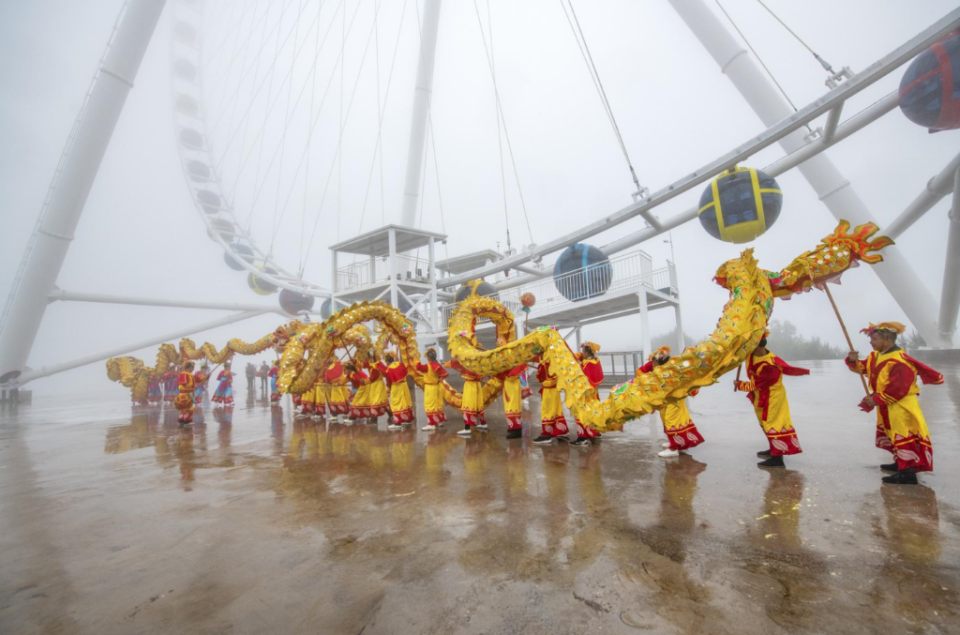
(261, 99)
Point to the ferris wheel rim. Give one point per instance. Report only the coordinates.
(181, 51)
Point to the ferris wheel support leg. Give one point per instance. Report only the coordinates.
(896, 272)
(950, 295)
(55, 231)
(421, 108)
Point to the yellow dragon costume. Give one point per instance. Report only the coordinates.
(741, 326)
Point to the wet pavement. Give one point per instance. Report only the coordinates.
(256, 522)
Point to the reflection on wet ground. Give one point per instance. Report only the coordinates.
(255, 521)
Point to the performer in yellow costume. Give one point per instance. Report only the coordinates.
(901, 427)
(339, 396)
(769, 398)
(379, 401)
(401, 405)
(186, 384)
(594, 372)
(553, 423)
(681, 431)
(433, 373)
(513, 401)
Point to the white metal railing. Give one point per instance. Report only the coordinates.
(628, 271)
(621, 364)
(367, 272)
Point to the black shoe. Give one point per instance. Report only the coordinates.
(514, 434)
(763, 454)
(902, 477)
(580, 442)
(543, 440)
(890, 467)
(773, 461)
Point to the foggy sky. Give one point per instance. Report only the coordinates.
(140, 234)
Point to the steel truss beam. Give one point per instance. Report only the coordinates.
(46, 371)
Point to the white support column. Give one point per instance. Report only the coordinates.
(394, 269)
(937, 187)
(576, 335)
(46, 371)
(432, 277)
(681, 344)
(645, 342)
(950, 295)
(48, 248)
(333, 282)
(834, 190)
(421, 108)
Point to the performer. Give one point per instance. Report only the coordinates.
(154, 392)
(186, 384)
(513, 400)
(765, 373)
(339, 395)
(433, 373)
(682, 433)
(202, 378)
(224, 392)
(308, 399)
(379, 402)
(472, 404)
(170, 390)
(273, 375)
(365, 384)
(552, 422)
(901, 427)
(594, 372)
(401, 406)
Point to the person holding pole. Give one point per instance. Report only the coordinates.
(892, 376)
(765, 390)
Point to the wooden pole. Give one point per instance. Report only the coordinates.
(843, 326)
(737, 384)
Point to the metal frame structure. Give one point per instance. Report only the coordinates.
(388, 274)
(836, 192)
(35, 281)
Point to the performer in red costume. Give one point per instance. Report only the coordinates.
(401, 405)
(186, 384)
(170, 390)
(273, 375)
(765, 372)
(594, 372)
(224, 392)
(553, 423)
(901, 426)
